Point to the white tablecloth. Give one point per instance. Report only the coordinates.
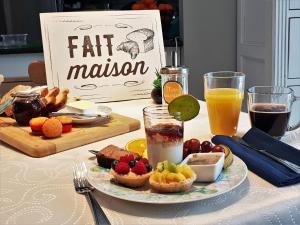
(40, 190)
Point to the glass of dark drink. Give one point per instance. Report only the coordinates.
(270, 109)
(164, 135)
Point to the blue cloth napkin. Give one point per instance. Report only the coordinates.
(258, 163)
(261, 140)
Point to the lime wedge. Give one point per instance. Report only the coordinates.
(184, 107)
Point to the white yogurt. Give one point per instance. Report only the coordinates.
(160, 151)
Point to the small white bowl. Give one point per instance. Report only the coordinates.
(207, 166)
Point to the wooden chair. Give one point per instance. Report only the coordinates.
(37, 72)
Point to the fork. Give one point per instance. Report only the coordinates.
(284, 162)
(82, 186)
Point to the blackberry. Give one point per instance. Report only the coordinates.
(114, 163)
(149, 167)
(132, 163)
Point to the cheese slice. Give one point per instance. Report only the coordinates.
(82, 106)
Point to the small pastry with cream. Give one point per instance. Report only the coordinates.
(52, 128)
(66, 122)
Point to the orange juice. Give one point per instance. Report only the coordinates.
(223, 106)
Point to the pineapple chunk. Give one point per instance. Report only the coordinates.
(170, 172)
(157, 176)
(171, 177)
(186, 171)
(179, 177)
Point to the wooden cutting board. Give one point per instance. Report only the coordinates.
(38, 146)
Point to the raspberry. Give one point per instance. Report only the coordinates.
(139, 168)
(127, 158)
(143, 160)
(122, 168)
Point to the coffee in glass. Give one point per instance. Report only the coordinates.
(270, 109)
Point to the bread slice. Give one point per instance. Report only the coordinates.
(174, 186)
(61, 99)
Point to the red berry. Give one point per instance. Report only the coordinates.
(186, 144)
(122, 168)
(218, 148)
(139, 168)
(144, 160)
(127, 158)
(186, 152)
(206, 146)
(194, 145)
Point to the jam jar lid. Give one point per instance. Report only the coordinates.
(25, 94)
(174, 70)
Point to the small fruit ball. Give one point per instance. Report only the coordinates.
(186, 144)
(194, 145)
(186, 152)
(144, 160)
(139, 168)
(206, 146)
(127, 158)
(218, 148)
(52, 128)
(122, 168)
(131, 163)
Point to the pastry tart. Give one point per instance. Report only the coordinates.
(179, 186)
(131, 179)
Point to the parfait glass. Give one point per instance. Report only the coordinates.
(164, 135)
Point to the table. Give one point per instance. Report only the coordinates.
(40, 190)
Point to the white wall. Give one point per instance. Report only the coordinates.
(15, 65)
(209, 32)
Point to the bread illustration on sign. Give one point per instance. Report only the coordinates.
(131, 47)
(139, 41)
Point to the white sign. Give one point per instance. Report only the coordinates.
(103, 56)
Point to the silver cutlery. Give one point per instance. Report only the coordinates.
(82, 186)
(283, 162)
(76, 114)
(93, 152)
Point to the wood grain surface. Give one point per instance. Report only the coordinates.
(39, 146)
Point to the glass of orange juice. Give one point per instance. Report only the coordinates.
(224, 93)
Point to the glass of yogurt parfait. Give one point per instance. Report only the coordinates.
(164, 135)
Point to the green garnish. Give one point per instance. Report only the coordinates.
(157, 81)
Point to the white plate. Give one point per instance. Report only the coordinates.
(229, 179)
(104, 111)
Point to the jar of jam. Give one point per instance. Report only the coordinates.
(26, 106)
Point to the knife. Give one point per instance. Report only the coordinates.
(77, 114)
(281, 161)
